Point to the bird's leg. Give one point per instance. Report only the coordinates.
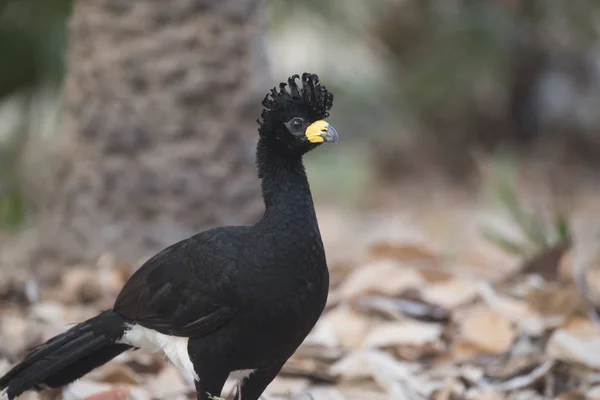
(210, 385)
(211, 397)
(254, 385)
(204, 394)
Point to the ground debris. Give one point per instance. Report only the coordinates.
(404, 321)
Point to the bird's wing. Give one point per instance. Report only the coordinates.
(185, 290)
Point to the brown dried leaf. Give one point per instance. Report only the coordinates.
(395, 307)
(416, 353)
(577, 342)
(518, 312)
(18, 335)
(314, 370)
(546, 264)
(403, 252)
(403, 333)
(462, 350)
(350, 327)
(572, 395)
(450, 294)
(116, 373)
(80, 285)
(87, 389)
(49, 312)
(436, 275)
(54, 395)
(554, 300)
(530, 394)
(325, 354)
(487, 330)
(113, 394)
(593, 393)
(324, 334)
(286, 386)
(168, 384)
(385, 277)
(453, 390)
(352, 367)
(520, 364)
(142, 362)
(524, 381)
(333, 393)
(398, 378)
(565, 267)
(483, 394)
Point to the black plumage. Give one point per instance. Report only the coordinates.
(240, 298)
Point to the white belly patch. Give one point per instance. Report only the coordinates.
(175, 348)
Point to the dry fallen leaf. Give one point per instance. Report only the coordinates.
(17, 335)
(323, 334)
(168, 384)
(577, 342)
(525, 380)
(350, 327)
(518, 364)
(547, 263)
(352, 367)
(403, 252)
(554, 300)
(571, 395)
(385, 277)
(141, 361)
(286, 386)
(313, 369)
(396, 307)
(385, 333)
(35, 396)
(50, 312)
(113, 394)
(399, 379)
(332, 393)
(403, 333)
(483, 394)
(565, 267)
(593, 393)
(450, 294)
(487, 330)
(453, 389)
(116, 373)
(518, 312)
(80, 285)
(86, 389)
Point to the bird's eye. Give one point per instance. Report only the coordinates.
(296, 124)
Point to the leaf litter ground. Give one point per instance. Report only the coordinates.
(421, 306)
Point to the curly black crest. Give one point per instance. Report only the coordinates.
(312, 99)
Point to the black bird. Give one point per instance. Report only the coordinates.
(229, 300)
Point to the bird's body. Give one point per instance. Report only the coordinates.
(227, 300)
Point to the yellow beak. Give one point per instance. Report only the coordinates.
(321, 131)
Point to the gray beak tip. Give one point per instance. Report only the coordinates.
(331, 135)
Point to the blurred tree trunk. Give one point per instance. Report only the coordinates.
(161, 101)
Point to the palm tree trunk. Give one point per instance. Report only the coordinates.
(161, 101)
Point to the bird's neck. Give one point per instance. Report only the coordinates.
(284, 183)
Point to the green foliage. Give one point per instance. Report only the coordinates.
(12, 208)
(450, 53)
(538, 232)
(12, 203)
(33, 35)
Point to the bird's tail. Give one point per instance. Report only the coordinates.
(68, 356)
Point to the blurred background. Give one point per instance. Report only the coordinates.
(470, 138)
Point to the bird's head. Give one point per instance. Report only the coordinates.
(294, 116)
